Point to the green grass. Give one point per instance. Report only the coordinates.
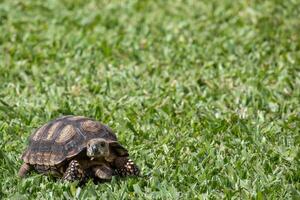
(204, 94)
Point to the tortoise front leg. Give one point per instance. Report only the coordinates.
(103, 172)
(126, 167)
(74, 172)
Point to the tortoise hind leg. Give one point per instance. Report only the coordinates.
(126, 167)
(74, 172)
(24, 169)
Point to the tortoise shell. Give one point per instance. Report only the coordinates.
(62, 139)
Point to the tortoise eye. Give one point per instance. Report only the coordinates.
(102, 144)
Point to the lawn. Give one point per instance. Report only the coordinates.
(204, 94)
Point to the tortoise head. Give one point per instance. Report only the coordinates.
(97, 148)
(102, 148)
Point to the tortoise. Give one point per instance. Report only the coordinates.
(76, 148)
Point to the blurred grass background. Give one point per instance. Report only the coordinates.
(204, 94)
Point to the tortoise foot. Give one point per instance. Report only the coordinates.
(74, 172)
(126, 167)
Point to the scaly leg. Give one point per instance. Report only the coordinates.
(74, 172)
(126, 167)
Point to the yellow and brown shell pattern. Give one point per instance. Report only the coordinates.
(63, 138)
